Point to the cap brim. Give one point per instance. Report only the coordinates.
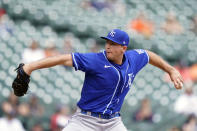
(106, 38)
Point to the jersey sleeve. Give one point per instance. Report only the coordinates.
(83, 61)
(140, 57)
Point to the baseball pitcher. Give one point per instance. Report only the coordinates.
(108, 78)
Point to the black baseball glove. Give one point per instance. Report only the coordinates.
(20, 84)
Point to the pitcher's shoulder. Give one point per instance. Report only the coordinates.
(134, 51)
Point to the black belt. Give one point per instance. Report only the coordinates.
(99, 115)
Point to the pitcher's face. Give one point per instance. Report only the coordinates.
(114, 51)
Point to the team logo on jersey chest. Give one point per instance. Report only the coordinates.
(131, 77)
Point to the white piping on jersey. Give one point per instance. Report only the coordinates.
(115, 88)
(75, 61)
(147, 55)
(125, 78)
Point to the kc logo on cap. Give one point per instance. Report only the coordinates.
(118, 36)
(112, 33)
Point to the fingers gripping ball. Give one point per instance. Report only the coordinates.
(20, 84)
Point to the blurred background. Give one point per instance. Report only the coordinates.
(35, 29)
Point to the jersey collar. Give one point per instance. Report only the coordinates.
(117, 65)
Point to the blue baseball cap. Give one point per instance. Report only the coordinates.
(118, 36)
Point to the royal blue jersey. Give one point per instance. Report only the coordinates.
(106, 84)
